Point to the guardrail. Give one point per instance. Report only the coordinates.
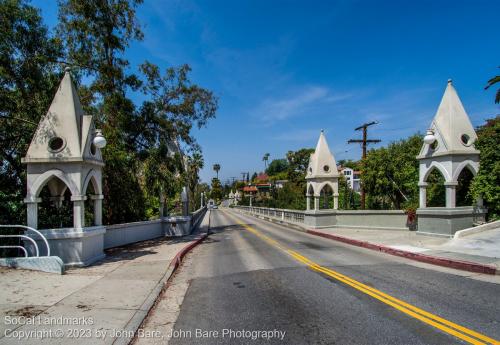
(25, 237)
(294, 216)
(197, 215)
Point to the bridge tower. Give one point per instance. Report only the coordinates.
(448, 148)
(65, 155)
(322, 174)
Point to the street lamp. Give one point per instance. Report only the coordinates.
(99, 139)
(429, 138)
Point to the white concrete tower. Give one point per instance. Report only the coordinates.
(448, 146)
(65, 154)
(322, 171)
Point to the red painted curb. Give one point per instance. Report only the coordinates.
(176, 261)
(434, 260)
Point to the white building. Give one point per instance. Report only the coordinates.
(352, 178)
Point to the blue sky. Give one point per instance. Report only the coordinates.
(284, 70)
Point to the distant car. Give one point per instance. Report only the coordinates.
(215, 207)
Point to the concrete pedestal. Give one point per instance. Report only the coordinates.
(320, 218)
(177, 226)
(76, 247)
(446, 221)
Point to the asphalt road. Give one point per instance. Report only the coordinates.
(244, 278)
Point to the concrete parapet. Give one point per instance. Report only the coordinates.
(446, 221)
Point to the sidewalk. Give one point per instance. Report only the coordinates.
(101, 304)
(480, 250)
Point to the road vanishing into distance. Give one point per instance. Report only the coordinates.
(254, 275)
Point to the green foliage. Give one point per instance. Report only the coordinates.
(486, 184)
(390, 174)
(492, 82)
(216, 190)
(297, 164)
(436, 194)
(28, 80)
(143, 161)
(277, 166)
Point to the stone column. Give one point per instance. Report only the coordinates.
(308, 202)
(422, 194)
(32, 211)
(316, 203)
(185, 201)
(78, 211)
(251, 197)
(335, 201)
(202, 199)
(451, 194)
(97, 208)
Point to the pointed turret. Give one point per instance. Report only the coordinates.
(322, 163)
(64, 133)
(451, 131)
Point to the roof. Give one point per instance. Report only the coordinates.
(322, 163)
(66, 123)
(250, 189)
(451, 125)
(262, 177)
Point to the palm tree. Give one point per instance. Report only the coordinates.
(217, 168)
(491, 82)
(265, 159)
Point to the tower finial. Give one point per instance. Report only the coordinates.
(67, 69)
(449, 81)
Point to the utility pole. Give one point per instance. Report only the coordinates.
(364, 142)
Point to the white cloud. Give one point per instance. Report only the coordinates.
(296, 104)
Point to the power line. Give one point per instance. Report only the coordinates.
(365, 141)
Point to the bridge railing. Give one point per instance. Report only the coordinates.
(24, 237)
(293, 216)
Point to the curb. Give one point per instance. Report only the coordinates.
(434, 260)
(137, 320)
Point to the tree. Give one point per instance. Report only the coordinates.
(486, 183)
(144, 142)
(29, 76)
(216, 190)
(298, 162)
(165, 120)
(492, 82)
(265, 159)
(96, 34)
(277, 166)
(195, 164)
(390, 174)
(216, 168)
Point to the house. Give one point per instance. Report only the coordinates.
(352, 177)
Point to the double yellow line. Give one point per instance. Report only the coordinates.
(444, 325)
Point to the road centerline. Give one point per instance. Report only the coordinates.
(435, 321)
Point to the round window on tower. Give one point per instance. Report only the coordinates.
(434, 145)
(56, 144)
(93, 149)
(326, 168)
(310, 170)
(466, 140)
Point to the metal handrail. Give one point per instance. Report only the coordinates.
(29, 238)
(18, 247)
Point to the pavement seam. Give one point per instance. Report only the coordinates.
(142, 313)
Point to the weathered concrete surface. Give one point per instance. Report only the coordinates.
(238, 281)
(49, 264)
(115, 293)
